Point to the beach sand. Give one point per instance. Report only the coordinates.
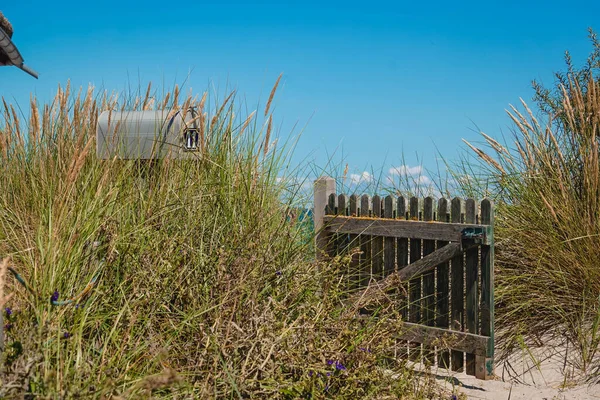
(519, 378)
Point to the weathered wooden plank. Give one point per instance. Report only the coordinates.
(443, 286)
(342, 207)
(429, 276)
(365, 244)
(428, 280)
(353, 209)
(461, 341)
(389, 244)
(402, 250)
(485, 364)
(457, 289)
(410, 272)
(377, 242)
(354, 242)
(432, 230)
(343, 204)
(415, 286)
(429, 262)
(415, 254)
(331, 201)
(331, 210)
(471, 267)
(342, 239)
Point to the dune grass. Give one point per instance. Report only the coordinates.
(546, 182)
(175, 279)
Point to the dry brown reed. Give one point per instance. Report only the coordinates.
(247, 122)
(268, 135)
(548, 190)
(272, 95)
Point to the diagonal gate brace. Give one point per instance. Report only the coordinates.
(417, 268)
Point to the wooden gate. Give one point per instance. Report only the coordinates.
(443, 253)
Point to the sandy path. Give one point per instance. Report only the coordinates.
(520, 379)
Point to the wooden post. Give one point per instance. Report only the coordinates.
(354, 242)
(443, 285)
(457, 288)
(365, 244)
(323, 187)
(471, 304)
(389, 249)
(341, 241)
(402, 254)
(485, 365)
(377, 241)
(415, 297)
(428, 281)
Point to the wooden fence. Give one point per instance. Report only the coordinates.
(443, 253)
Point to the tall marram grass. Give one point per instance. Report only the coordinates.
(187, 279)
(547, 187)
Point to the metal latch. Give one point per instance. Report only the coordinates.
(475, 234)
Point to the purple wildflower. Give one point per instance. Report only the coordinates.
(330, 362)
(328, 374)
(66, 335)
(454, 397)
(339, 366)
(278, 273)
(8, 311)
(8, 327)
(54, 297)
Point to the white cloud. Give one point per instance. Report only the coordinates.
(295, 182)
(307, 185)
(423, 180)
(405, 170)
(364, 177)
(464, 179)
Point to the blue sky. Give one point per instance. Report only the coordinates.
(370, 80)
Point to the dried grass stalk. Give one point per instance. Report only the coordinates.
(272, 95)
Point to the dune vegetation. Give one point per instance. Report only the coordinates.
(545, 178)
(172, 279)
(196, 278)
